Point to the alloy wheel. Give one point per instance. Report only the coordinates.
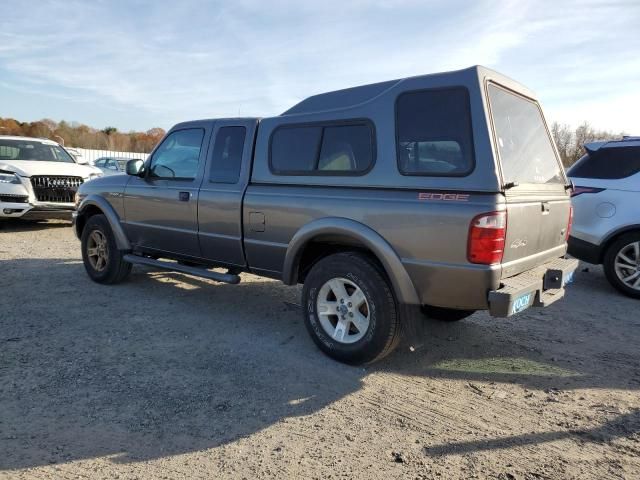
(343, 310)
(627, 265)
(97, 250)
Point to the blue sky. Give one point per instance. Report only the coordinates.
(138, 64)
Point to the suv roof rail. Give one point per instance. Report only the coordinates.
(631, 137)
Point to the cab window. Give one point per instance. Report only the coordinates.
(178, 155)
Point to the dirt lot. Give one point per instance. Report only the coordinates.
(169, 376)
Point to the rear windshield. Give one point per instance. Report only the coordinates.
(30, 150)
(524, 146)
(611, 163)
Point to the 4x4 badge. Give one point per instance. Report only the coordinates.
(519, 242)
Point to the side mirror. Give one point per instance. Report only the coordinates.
(135, 167)
(82, 161)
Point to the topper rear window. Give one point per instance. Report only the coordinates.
(524, 145)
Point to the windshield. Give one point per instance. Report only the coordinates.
(524, 146)
(33, 150)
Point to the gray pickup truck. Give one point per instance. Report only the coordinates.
(441, 194)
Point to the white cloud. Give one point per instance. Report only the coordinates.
(179, 60)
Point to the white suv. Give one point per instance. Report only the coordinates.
(606, 201)
(38, 178)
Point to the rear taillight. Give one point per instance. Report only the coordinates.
(487, 234)
(566, 237)
(580, 190)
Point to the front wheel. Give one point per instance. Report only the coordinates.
(350, 310)
(102, 260)
(622, 264)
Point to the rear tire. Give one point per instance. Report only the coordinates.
(445, 314)
(350, 310)
(102, 260)
(622, 264)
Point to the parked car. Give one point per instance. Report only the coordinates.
(112, 165)
(38, 178)
(79, 158)
(606, 196)
(442, 192)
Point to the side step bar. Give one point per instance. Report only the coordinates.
(176, 267)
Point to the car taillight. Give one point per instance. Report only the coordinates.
(566, 237)
(487, 234)
(580, 190)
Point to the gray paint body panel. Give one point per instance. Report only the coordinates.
(263, 223)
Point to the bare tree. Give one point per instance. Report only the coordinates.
(76, 134)
(570, 143)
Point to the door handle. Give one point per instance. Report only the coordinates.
(184, 196)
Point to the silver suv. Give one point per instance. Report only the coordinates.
(606, 229)
(441, 193)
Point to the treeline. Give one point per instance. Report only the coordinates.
(570, 141)
(78, 135)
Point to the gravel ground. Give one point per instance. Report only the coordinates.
(170, 376)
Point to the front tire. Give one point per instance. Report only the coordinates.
(102, 260)
(350, 310)
(622, 264)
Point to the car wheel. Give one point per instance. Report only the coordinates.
(622, 264)
(350, 310)
(445, 314)
(102, 260)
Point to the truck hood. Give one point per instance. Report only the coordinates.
(28, 168)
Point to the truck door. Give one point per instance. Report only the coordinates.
(222, 190)
(161, 207)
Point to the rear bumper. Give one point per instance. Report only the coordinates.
(538, 287)
(584, 250)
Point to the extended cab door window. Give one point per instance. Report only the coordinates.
(177, 157)
(226, 160)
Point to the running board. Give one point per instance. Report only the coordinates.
(176, 267)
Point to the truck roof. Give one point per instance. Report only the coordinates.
(353, 96)
(350, 97)
(193, 123)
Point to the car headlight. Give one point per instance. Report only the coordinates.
(8, 177)
(94, 175)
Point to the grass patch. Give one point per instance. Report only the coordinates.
(508, 365)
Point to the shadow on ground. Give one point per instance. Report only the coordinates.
(166, 364)
(10, 225)
(622, 426)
